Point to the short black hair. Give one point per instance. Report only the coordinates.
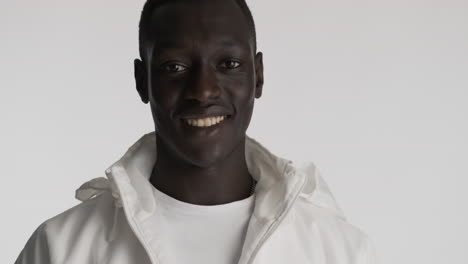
(151, 5)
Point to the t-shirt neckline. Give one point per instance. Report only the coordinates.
(172, 204)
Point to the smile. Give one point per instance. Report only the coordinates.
(205, 122)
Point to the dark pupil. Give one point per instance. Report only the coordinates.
(230, 64)
(173, 67)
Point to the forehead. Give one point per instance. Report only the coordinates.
(183, 21)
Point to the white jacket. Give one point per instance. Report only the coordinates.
(295, 219)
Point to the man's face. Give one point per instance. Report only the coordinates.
(203, 64)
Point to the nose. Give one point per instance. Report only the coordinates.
(204, 85)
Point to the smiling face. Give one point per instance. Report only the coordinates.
(204, 77)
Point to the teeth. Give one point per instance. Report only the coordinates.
(205, 122)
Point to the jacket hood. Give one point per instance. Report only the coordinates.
(279, 180)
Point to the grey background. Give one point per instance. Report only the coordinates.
(376, 95)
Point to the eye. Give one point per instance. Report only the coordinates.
(230, 64)
(172, 67)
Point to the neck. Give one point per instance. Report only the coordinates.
(225, 181)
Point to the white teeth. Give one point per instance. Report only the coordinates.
(201, 122)
(205, 122)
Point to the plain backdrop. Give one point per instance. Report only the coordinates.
(375, 93)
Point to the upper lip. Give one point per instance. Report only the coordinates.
(202, 113)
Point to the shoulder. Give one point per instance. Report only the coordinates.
(312, 215)
(93, 212)
(334, 232)
(82, 222)
(92, 215)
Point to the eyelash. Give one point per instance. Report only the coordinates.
(231, 60)
(164, 67)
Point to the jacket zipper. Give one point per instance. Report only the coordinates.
(136, 229)
(275, 224)
(142, 241)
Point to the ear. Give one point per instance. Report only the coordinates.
(258, 74)
(140, 80)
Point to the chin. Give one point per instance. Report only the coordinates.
(204, 158)
(199, 151)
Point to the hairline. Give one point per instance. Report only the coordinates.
(146, 43)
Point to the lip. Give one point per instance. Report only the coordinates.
(204, 132)
(196, 113)
(227, 117)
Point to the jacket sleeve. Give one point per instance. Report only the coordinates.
(36, 250)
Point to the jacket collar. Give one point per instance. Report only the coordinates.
(278, 179)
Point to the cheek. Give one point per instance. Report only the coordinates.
(239, 87)
(243, 92)
(165, 94)
(164, 100)
(242, 95)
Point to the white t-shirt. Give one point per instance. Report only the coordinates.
(201, 234)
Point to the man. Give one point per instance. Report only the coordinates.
(198, 189)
